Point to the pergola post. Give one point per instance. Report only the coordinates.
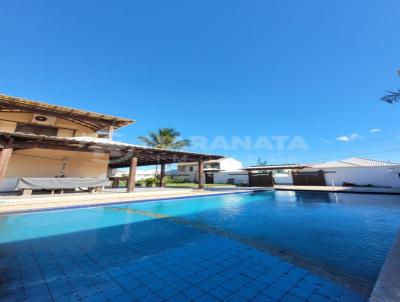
(200, 175)
(250, 178)
(132, 175)
(5, 156)
(162, 175)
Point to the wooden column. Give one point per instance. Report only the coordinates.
(200, 175)
(162, 175)
(132, 175)
(5, 157)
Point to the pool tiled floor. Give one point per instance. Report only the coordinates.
(154, 260)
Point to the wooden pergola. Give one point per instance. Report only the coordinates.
(121, 154)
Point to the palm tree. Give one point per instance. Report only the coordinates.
(392, 96)
(164, 138)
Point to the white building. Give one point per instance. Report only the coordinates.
(360, 172)
(140, 174)
(223, 164)
(216, 171)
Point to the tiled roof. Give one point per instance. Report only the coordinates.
(355, 162)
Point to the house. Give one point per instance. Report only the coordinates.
(41, 140)
(223, 164)
(347, 172)
(358, 171)
(216, 171)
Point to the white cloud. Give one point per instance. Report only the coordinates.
(375, 130)
(347, 138)
(344, 138)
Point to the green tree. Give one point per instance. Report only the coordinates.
(392, 96)
(164, 138)
(261, 162)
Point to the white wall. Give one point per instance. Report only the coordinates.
(376, 176)
(238, 177)
(283, 179)
(219, 177)
(189, 176)
(226, 164)
(230, 164)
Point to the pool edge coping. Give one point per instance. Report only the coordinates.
(339, 191)
(387, 286)
(103, 204)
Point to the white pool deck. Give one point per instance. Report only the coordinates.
(15, 203)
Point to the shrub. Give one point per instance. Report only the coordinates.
(175, 180)
(150, 181)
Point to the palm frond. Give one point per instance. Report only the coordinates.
(146, 141)
(392, 97)
(165, 138)
(181, 144)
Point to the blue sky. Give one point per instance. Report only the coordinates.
(309, 69)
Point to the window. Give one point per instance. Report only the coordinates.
(215, 166)
(35, 129)
(191, 168)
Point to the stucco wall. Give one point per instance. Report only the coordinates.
(376, 176)
(238, 177)
(283, 179)
(48, 163)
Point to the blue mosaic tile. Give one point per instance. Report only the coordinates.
(274, 292)
(291, 298)
(145, 267)
(179, 298)
(193, 293)
(247, 292)
(350, 296)
(318, 298)
(301, 292)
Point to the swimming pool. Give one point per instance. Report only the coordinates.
(262, 246)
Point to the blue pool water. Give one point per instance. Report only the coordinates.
(270, 246)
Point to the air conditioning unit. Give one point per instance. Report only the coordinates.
(44, 119)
